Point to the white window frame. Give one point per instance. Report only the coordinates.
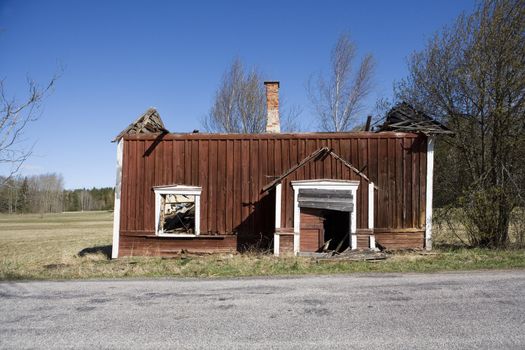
(177, 190)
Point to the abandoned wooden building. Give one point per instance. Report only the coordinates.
(290, 192)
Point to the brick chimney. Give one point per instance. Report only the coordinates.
(273, 124)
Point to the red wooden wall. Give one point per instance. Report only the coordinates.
(233, 168)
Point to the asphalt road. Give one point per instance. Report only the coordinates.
(482, 310)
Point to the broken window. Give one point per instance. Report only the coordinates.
(177, 210)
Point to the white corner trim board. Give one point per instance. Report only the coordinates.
(428, 204)
(116, 210)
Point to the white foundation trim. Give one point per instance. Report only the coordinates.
(325, 185)
(276, 237)
(430, 179)
(177, 189)
(116, 208)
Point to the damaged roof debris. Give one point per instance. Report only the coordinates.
(148, 123)
(405, 118)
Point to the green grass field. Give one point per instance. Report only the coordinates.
(76, 245)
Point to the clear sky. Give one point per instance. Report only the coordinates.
(121, 57)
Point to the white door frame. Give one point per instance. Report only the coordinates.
(325, 185)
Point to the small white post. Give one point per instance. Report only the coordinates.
(197, 215)
(371, 205)
(353, 241)
(296, 223)
(430, 179)
(372, 242)
(372, 238)
(116, 209)
(353, 222)
(353, 214)
(278, 194)
(276, 236)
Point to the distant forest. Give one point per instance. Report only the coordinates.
(46, 194)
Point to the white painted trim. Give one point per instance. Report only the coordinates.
(116, 208)
(372, 242)
(183, 235)
(326, 185)
(371, 205)
(178, 189)
(296, 222)
(276, 237)
(198, 214)
(278, 198)
(353, 242)
(430, 179)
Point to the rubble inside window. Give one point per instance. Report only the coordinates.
(177, 214)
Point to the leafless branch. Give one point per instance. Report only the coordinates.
(338, 98)
(14, 118)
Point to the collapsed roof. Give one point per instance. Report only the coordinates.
(403, 117)
(148, 123)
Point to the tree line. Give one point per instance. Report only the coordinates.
(46, 194)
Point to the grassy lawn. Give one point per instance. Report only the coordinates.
(75, 245)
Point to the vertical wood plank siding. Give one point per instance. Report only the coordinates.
(232, 169)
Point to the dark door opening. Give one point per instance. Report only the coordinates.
(336, 230)
(324, 230)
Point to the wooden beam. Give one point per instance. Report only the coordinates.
(295, 167)
(339, 206)
(351, 167)
(319, 153)
(322, 193)
(368, 122)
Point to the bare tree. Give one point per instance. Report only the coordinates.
(240, 104)
(472, 76)
(46, 193)
(14, 118)
(86, 200)
(291, 117)
(338, 98)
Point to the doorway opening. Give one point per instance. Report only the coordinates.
(336, 230)
(324, 230)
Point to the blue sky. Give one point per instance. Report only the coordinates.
(121, 57)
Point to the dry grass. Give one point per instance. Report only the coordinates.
(448, 230)
(32, 244)
(35, 247)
